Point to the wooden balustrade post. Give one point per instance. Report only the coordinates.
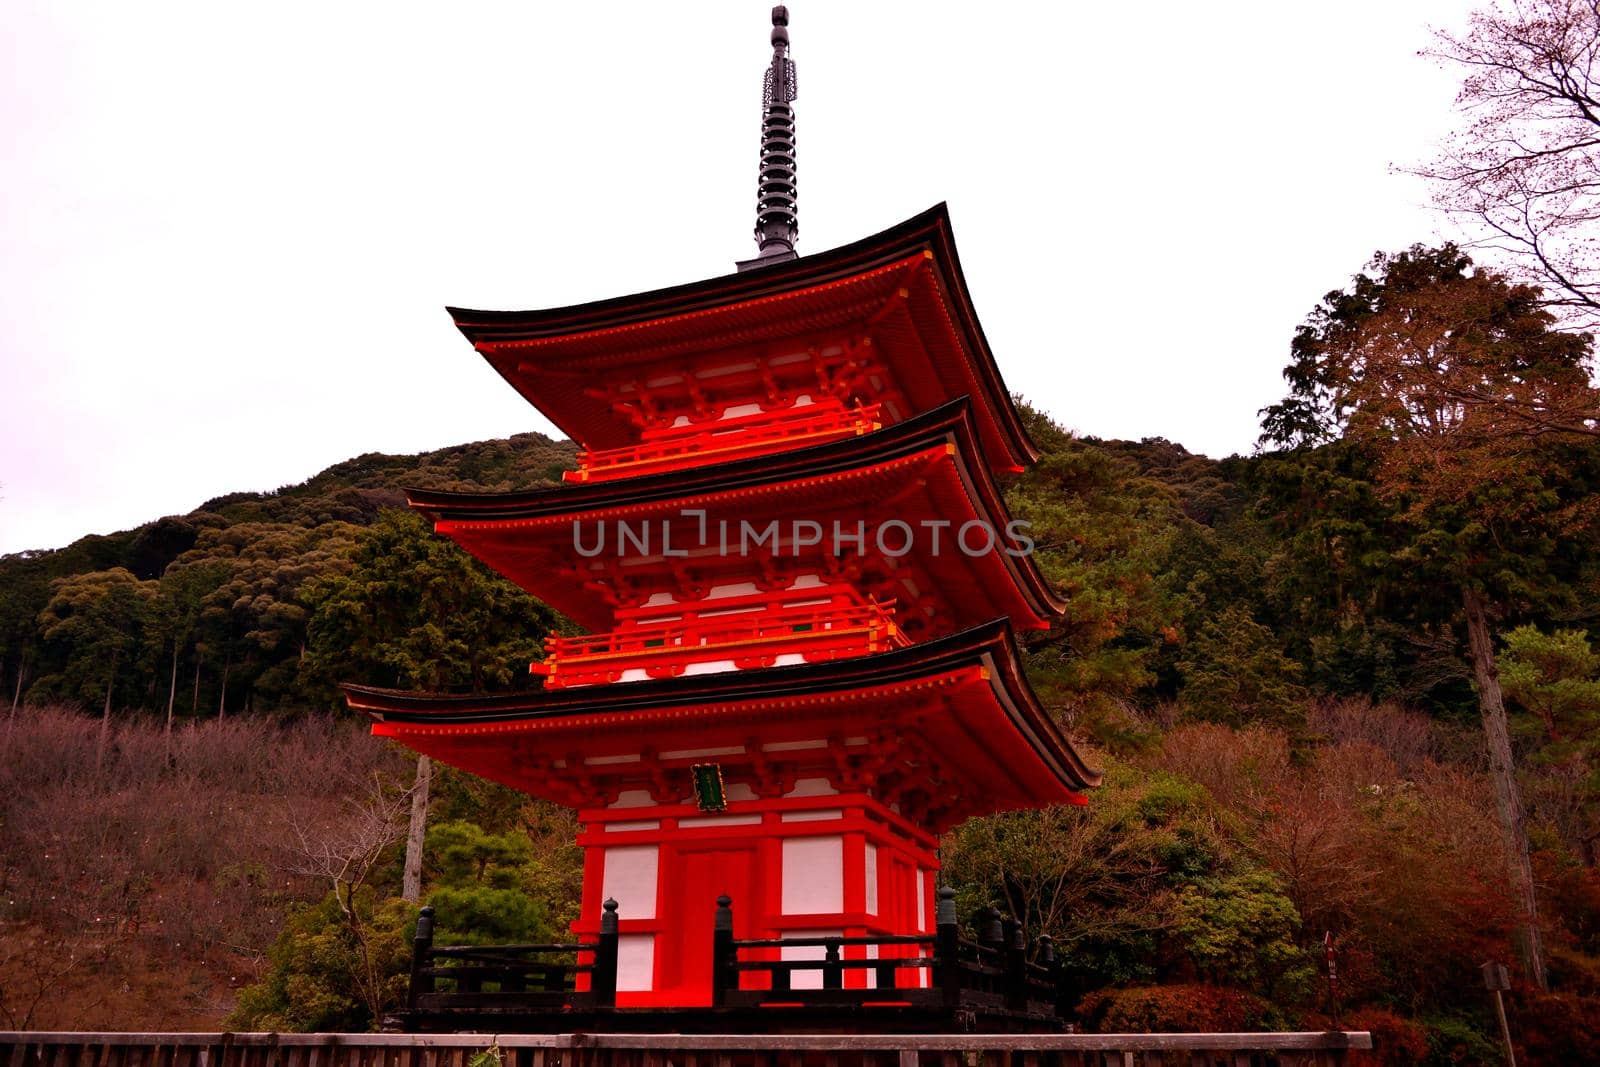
(990, 933)
(832, 973)
(724, 977)
(1016, 964)
(947, 950)
(603, 978)
(421, 959)
(1057, 976)
(992, 942)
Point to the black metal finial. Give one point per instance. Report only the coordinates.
(777, 219)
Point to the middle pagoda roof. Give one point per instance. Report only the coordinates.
(925, 469)
(888, 317)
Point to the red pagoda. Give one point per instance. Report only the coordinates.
(787, 538)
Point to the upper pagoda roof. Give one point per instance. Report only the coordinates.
(902, 290)
(966, 694)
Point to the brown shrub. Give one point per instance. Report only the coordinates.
(1407, 737)
(170, 859)
(1165, 1009)
(1551, 1029)
(1396, 1041)
(1236, 766)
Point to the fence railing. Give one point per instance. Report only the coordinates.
(32, 1049)
(938, 970)
(936, 977)
(513, 977)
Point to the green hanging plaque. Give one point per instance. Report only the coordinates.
(709, 792)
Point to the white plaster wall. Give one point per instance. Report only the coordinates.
(872, 879)
(632, 798)
(628, 876)
(714, 666)
(636, 962)
(822, 815)
(813, 875)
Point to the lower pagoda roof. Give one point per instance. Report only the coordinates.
(972, 736)
(529, 536)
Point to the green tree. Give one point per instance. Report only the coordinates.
(316, 969)
(255, 616)
(481, 886)
(1100, 879)
(1235, 672)
(1554, 678)
(1101, 532)
(1241, 929)
(1483, 501)
(100, 619)
(417, 612)
(342, 962)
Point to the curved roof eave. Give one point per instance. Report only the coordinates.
(989, 644)
(930, 231)
(912, 435)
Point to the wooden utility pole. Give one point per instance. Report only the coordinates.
(1497, 980)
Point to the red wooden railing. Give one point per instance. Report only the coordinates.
(679, 447)
(665, 650)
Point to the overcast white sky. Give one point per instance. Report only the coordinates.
(227, 231)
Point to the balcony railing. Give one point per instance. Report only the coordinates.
(676, 448)
(498, 977)
(755, 639)
(901, 987)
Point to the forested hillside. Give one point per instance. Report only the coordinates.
(1292, 666)
(210, 612)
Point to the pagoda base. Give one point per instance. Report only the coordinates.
(812, 863)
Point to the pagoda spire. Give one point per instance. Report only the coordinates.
(777, 223)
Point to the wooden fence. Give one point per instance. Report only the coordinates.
(942, 971)
(679, 1050)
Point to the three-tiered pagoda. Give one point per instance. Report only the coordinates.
(787, 539)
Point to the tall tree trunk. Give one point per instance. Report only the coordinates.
(105, 719)
(1508, 798)
(16, 696)
(411, 883)
(194, 702)
(172, 686)
(222, 697)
